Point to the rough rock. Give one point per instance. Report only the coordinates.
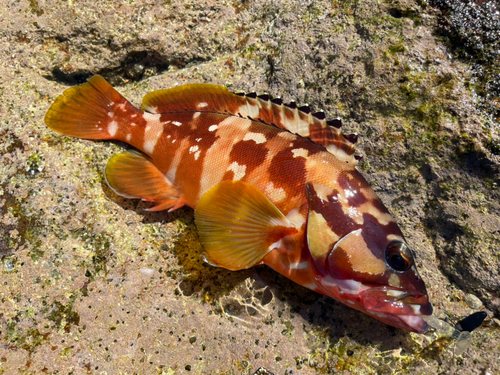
(92, 283)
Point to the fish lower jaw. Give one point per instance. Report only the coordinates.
(413, 323)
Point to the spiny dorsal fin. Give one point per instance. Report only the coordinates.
(298, 120)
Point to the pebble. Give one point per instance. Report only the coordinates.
(473, 302)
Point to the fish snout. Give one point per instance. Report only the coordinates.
(398, 308)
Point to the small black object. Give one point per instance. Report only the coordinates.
(277, 101)
(471, 322)
(264, 97)
(251, 95)
(291, 105)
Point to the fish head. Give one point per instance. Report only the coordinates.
(362, 258)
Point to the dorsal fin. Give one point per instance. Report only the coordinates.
(213, 98)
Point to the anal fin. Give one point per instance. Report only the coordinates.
(133, 175)
(239, 225)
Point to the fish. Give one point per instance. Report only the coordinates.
(270, 183)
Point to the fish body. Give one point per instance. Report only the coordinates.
(270, 184)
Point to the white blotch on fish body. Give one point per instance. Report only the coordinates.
(296, 218)
(256, 137)
(239, 170)
(152, 132)
(276, 194)
(300, 152)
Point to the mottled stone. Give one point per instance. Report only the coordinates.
(473, 302)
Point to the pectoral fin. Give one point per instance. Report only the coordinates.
(238, 225)
(133, 175)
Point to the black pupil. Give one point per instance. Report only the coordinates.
(398, 256)
(398, 262)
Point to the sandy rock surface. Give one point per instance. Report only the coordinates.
(93, 284)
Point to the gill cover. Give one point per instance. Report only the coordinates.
(320, 235)
(327, 222)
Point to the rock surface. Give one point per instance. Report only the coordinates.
(91, 283)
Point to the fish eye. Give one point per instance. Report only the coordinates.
(398, 256)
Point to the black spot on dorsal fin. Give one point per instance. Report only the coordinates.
(277, 101)
(319, 115)
(264, 97)
(305, 108)
(336, 123)
(251, 95)
(291, 105)
(353, 138)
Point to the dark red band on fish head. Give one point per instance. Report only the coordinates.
(352, 188)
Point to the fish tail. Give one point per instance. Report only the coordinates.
(93, 110)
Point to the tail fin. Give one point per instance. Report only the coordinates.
(93, 110)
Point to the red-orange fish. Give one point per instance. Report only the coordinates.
(270, 184)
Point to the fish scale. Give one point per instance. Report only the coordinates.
(270, 184)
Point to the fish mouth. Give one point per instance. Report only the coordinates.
(397, 308)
